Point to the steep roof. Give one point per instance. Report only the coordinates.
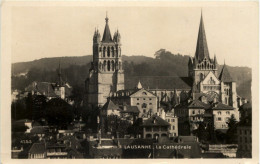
(225, 75)
(220, 106)
(107, 35)
(202, 47)
(155, 121)
(110, 105)
(159, 82)
(197, 104)
(37, 148)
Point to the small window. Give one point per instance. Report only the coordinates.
(150, 98)
(219, 118)
(173, 120)
(143, 98)
(219, 113)
(228, 113)
(137, 103)
(144, 111)
(137, 99)
(193, 112)
(144, 93)
(173, 127)
(245, 132)
(150, 103)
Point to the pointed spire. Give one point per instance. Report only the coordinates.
(202, 47)
(107, 35)
(139, 85)
(225, 75)
(215, 61)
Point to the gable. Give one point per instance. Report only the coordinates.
(142, 93)
(211, 79)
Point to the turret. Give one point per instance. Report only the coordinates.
(117, 37)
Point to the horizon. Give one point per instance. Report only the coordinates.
(122, 55)
(43, 31)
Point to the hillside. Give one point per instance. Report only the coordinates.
(75, 70)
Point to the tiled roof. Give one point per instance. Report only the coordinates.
(220, 106)
(155, 121)
(202, 47)
(47, 88)
(39, 130)
(197, 104)
(225, 75)
(37, 148)
(110, 105)
(130, 109)
(159, 82)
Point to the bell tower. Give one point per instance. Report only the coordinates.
(106, 74)
(201, 64)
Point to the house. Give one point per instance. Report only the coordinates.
(37, 151)
(244, 132)
(155, 127)
(173, 121)
(129, 113)
(110, 109)
(222, 113)
(56, 151)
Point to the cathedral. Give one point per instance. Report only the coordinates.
(205, 84)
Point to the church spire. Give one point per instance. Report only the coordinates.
(225, 75)
(107, 35)
(202, 47)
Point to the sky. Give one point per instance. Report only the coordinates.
(41, 31)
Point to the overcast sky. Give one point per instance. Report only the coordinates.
(55, 31)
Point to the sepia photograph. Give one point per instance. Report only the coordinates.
(129, 80)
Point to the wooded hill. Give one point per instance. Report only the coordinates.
(75, 70)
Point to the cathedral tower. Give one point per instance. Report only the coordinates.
(106, 74)
(200, 66)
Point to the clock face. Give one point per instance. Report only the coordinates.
(212, 95)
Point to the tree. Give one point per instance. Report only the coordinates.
(59, 113)
(232, 129)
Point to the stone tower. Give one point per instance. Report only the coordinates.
(106, 74)
(201, 64)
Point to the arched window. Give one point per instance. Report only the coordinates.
(119, 51)
(108, 65)
(108, 52)
(113, 65)
(104, 51)
(116, 52)
(104, 65)
(113, 53)
(116, 65)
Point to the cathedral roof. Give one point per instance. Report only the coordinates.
(202, 47)
(159, 82)
(107, 35)
(225, 75)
